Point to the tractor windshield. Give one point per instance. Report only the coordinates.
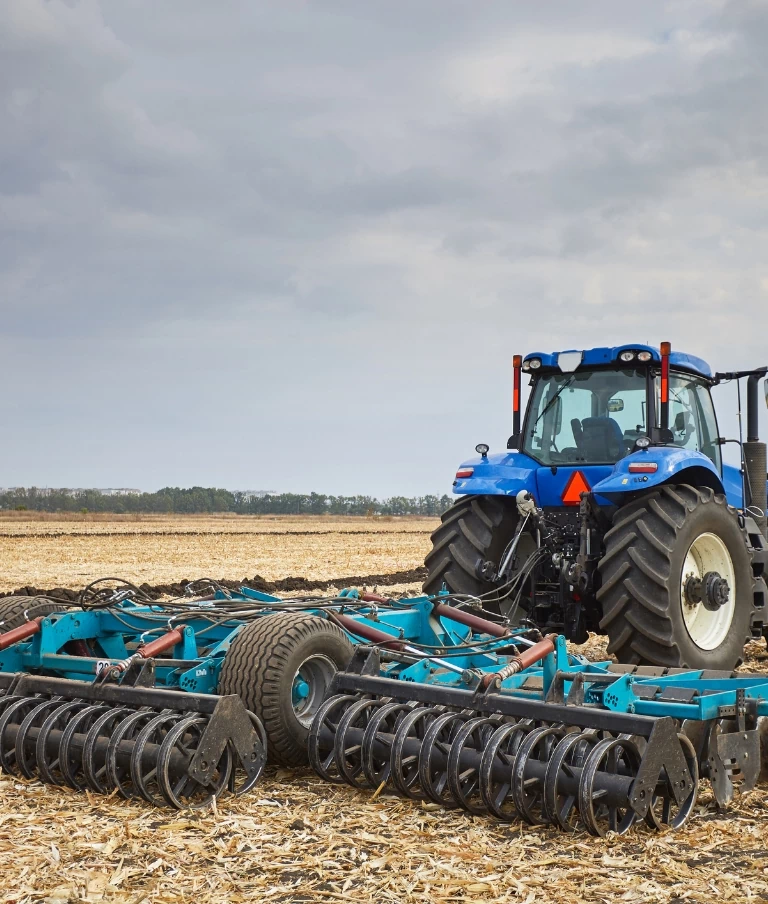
(591, 417)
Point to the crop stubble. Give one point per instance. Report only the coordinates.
(297, 839)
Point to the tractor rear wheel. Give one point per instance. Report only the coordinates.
(281, 665)
(16, 610)
(473, 530)
(677, 584)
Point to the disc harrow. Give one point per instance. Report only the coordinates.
(591, 749)
(165, 747)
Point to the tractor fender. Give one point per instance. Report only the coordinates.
(673, 465)
(501, 474)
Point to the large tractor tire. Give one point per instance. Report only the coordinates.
(474, 529)
(677, 585)
(16, 610)
(281, 666)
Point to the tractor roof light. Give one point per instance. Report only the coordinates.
(534, 363)
(644, 356)
(642, 442)
(627, 356)
(526, 365)
(569, 361)
(482, 449)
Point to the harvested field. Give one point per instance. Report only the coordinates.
(297, 839)
(70, 552)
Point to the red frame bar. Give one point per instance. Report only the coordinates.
(666, 350)
(517, 366)
(21, 633)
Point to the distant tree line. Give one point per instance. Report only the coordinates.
(197, 500)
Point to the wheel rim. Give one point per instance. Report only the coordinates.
(706, 622)
(310, 684)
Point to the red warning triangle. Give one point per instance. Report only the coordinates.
(577, 484)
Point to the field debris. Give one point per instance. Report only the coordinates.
(298, 839)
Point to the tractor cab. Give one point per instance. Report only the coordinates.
(588, 410)
(612, 511)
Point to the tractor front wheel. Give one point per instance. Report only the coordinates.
(676, 581)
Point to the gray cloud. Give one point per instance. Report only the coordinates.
(295, 245)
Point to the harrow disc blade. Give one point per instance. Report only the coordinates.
(320, 745)
(496, 768)
(463, 776)
(406, 750)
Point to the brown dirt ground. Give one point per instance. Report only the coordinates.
(297, 839)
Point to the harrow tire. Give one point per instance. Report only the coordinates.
(474, 529)
(14, 610)
(262, 666)
(641, 575)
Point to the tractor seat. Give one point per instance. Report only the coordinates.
(602, 439)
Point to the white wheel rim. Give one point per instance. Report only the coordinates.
(708, 628)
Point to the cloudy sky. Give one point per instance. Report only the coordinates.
(294, 245)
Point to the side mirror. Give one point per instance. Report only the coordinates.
(615, 405)
(766, 392)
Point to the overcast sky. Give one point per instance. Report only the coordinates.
(294, 245)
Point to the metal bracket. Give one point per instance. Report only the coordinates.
(230, 723)
(663, 753)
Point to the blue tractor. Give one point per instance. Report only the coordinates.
(612, 510)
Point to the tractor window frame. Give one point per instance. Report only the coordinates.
(535, 412)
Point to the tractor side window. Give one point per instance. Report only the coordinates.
(692, 416)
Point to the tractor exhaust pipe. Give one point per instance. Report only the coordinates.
(755, 463)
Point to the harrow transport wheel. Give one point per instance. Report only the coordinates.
(474, 529)
(282, 666)
(677, 583)
(16, 610)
